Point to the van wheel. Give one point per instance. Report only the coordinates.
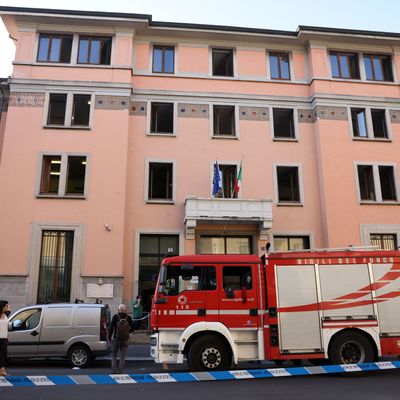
(351, 348)
(79, 356)
(209, 353)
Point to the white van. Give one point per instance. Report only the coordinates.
(77, 332)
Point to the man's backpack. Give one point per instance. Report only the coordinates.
(122, 332)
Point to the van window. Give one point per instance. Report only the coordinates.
(27, 319)
(88, 316)
(237, 278)
(58, 316)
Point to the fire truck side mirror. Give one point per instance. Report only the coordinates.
(230, 294)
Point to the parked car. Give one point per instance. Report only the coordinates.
(77, 332)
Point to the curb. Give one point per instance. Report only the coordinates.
(18, 381)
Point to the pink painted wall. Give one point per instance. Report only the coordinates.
(193, 60)
(142, 56)
(251, 63)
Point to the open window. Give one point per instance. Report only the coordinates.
(284, 126)
(224, 120)
(160, 181)
(162, 118)
(222, 62)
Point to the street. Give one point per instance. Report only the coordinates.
(382, 385)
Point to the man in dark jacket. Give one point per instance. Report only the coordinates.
(119, 345)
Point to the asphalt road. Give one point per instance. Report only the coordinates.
(379, 385)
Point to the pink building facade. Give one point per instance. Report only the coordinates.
(115, 123)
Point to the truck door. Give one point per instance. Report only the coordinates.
(24, 332)
(238, 297)
(183, 292)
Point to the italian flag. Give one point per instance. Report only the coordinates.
(238, 181)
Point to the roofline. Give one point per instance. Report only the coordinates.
(191, 26)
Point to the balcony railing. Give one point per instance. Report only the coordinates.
(227, 210)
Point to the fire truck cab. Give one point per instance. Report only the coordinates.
(218, 309)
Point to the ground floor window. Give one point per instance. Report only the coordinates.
(225, 245)
(55, 267)
(384, 241)
(294, 243)
(153, 248)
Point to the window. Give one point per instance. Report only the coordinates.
(294, 243)
(160, 181)
(94, 50)
(359, 122)
(229, 174)
(179, 279)
(225, 244)
(378, 67)
(288, 184)
(237, 278)
(152, 250)
(55, 269)
(224, 121)
(377, 183)
(379, 124)
(54, 48)
(384, 241)
(162, 118)
(222, 62)
(63, 175)
(26, 319)
(163, 59)
(369, 123)
(279, 66)
(283, 124)
(69, 110)
(344, 65)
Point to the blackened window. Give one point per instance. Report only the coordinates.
(160, 181)
(288, 184)
(344, 65)
(224, 121)
(359, 122)
(94, 50)
(81, 109)
(283, 123)
(75, 180)
(222, 62)
(162, 118)
(378, 67)
(163, 59)
(54, 48)
(366, 182)
(388, 187)
(57, 105)
(229, 174)
(279, 66)
(379, 123)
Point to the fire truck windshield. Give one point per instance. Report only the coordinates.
(177, 279)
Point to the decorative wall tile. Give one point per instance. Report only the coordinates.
(111, 102)
(395, 116)
(138, 108)
(326, 112)
(254, 113)
(26, 99)
(193, 110)
(305, 116)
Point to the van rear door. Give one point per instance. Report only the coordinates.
(24, 332)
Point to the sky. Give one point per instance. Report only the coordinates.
(268, 14)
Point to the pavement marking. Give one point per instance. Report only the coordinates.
(260, 373)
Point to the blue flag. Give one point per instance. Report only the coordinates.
(217, 181)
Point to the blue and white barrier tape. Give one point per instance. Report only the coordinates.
(38, 380)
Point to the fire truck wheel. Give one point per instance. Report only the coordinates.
(209, 353)
(351, 348)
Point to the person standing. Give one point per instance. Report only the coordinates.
(137, 312)
(120, 327)
(4, 313)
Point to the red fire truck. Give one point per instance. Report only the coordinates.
(343, 306)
